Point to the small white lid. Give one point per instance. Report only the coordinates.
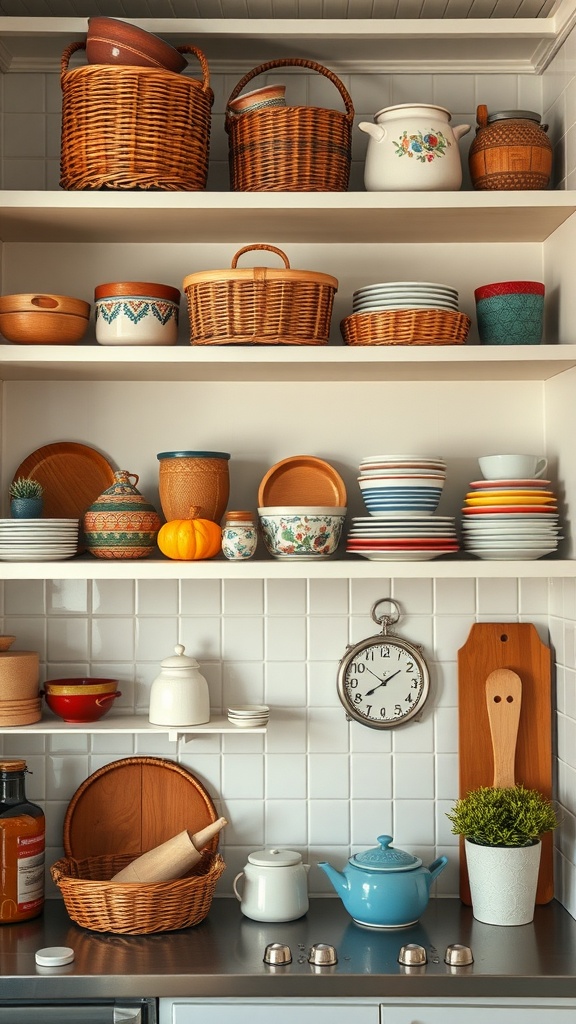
(54, 956)
(179, 659)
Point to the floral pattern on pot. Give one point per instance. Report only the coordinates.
(424, 147)
(301, 536)
(239, 542)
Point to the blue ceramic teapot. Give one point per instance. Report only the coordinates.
(384, 887)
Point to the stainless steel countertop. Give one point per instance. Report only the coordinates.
(222, 957)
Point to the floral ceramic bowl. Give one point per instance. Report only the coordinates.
(305, 533)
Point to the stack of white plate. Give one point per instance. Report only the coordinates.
(414, 538)
(248, 715)
(38, 540)
(404, 295)
(407, 484)
(510, 519)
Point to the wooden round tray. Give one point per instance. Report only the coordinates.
(302, 480)
(134, 804)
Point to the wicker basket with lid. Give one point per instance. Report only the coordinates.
(260, 305)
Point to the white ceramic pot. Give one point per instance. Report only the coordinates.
(503, 882)
(136, 313)
(413, 148)
(275, 886)
(179, 696)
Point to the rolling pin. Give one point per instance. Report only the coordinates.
(171, 859)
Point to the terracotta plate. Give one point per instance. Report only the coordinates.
(72, 475)
(132, 805)
(302, 480)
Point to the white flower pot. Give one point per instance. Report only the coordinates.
(503, 882)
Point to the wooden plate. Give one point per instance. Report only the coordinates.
(132, 805)
(302, 480)
(72, 476)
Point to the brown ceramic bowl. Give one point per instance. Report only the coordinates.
(34, 319)
(110, 41)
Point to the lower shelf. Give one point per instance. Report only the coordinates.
(131, 724)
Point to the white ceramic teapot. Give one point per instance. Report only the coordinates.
(413, 148)
(179, 696)
(275, 886)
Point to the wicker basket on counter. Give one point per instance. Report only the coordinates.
(129, 127)
(290, 149)
(132, 908)
(260, 305)
(406, 327)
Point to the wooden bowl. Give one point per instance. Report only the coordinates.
(33, 319)
(111, 41)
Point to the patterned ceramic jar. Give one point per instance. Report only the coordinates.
(510, 312)
(136, 313)
(239, 536)
(121, 523)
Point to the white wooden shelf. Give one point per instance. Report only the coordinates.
(134, 724)
(349, 567)
(284, 363)
(323, 217)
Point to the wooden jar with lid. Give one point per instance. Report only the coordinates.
(511, 151)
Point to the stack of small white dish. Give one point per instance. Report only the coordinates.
(510, 519)
(404, 295)
(38, 540)
(247, 716)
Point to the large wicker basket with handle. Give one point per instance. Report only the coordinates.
(260, 305)
(128, 127)
(290, 149)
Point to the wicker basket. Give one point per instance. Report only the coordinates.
(126, 127)
(259, 305)
(406, 327)
(290, 149)
(131, 908)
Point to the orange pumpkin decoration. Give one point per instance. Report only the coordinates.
(191, 539)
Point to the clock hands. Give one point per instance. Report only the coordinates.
(382, 682)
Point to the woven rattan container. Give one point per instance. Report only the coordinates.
(260, 305)
(290, 149)
(128, 127)
(406, 327)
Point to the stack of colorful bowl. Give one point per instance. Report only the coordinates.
(401, 494)
(510, 519)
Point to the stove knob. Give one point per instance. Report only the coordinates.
(322, 955)
(457, 955)
(412, 955)
(277, 954)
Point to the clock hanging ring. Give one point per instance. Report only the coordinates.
(383, 681)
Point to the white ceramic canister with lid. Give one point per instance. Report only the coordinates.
(136, 313)
(275, 886)
(412, 148)
(179, 695)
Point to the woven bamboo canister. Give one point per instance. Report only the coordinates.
(511, 151)
(128, 127)
(290, 148)
(260, 305)
(194, 484)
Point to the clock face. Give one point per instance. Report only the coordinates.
(383, 682)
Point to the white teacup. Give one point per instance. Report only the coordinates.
(512, 467)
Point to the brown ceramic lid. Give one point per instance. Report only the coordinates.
(143, 288)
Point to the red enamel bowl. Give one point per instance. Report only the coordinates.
(80, 707)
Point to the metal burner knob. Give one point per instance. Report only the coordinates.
(277, 954)
(322, 955)
(412, 955)
(457, 955)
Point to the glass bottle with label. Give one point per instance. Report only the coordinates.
(22, 846)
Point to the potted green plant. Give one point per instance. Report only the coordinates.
(26, 498)
(502, 829)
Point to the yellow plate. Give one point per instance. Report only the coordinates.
(512, 492)
(509, 500)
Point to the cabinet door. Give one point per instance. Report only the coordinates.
(464, 1013)
(267, 1013)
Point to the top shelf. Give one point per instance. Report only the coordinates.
(323, 217)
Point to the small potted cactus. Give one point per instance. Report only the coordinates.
(26, 498)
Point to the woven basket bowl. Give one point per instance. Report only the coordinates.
(198, 483)
(406, 327)
(131, 908)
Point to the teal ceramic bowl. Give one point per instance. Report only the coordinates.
(510, 313)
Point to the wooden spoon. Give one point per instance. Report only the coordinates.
(504, 700)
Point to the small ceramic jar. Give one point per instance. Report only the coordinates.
(136, 313)
(239, 536)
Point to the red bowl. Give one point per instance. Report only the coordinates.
(80, 707)
(111, 41)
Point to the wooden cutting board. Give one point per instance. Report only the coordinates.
(516, 646)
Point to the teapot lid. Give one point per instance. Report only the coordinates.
(386, 858)
(274, 858)
(179, 660)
